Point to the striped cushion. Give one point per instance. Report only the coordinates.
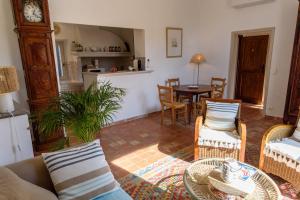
(81, 172)
(221, 116)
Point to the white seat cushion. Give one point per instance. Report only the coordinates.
(221, 116)
(286, 150)
(215, 138)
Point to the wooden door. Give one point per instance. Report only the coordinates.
(251, 68)
(293, 92)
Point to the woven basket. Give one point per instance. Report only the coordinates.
(196, 182)
(282, 170)
(212, 152)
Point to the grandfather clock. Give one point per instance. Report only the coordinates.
(34, 33)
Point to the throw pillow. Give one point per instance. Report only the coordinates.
(221, 116)
(296, 134)
(13, 187)
(81, 172)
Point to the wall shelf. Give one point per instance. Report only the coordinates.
(86, 54)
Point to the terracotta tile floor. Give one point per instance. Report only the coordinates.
(138, 143)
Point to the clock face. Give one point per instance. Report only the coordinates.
(33, 11)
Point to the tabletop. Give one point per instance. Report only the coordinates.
(196, 181)
(188, 89)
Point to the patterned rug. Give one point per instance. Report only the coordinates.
(163, 179)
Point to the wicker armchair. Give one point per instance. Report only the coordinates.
(201, 151)
(271, 166)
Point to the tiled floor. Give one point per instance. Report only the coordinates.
(136, 144)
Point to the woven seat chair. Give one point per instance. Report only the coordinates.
(218, 87)
(166, 98)
(202, 151)
(271, 166)
(174, 82)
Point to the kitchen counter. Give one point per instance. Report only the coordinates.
(118, 73)
(139, 85)
(13, 114)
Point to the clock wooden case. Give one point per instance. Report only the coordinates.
(36, 47)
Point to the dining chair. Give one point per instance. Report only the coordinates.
(218, 87)
(173, 82)
(279, 154)
(219, 132)
(166, 98)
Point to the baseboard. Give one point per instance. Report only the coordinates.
(132, 119)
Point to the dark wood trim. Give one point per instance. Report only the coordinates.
(237, 79)
(289, 116)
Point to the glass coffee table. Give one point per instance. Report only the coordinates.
(196, 182)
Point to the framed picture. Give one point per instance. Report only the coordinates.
(174, 42)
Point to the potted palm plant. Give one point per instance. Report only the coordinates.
(82, 114)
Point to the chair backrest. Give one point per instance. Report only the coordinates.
(204, 107)
(218, 87)
(173, 82)
(298, 119)
(165, 94)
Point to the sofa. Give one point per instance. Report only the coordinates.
(34, 175)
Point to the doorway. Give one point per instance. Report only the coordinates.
(251, 66)
(240, 83)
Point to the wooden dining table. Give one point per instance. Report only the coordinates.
(190, 93)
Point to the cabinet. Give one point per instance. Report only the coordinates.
(293, 92)
(15, 143)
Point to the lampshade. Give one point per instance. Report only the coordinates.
(197, 58)
(8, 79)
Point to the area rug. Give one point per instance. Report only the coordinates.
(163, 179)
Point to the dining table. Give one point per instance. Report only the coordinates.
(191, 91)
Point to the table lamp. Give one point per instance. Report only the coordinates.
(8, 84)
(197, 59)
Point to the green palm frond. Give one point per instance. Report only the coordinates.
(84, 113)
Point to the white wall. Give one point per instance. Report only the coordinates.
(218, 20)
(207, 27)
(9, 50)
(139, 42)
(152, 16)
